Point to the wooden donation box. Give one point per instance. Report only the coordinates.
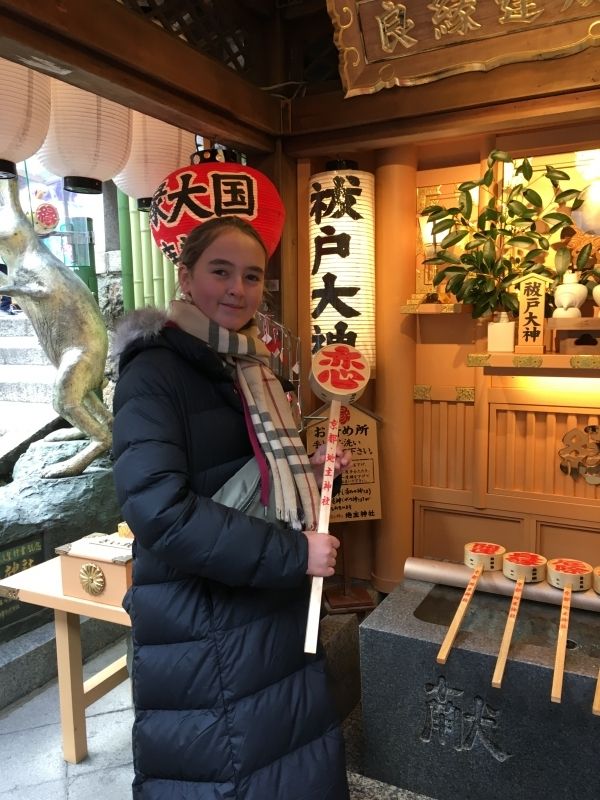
(576, 336)
(96, 567)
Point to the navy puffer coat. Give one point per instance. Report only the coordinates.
(227, 705)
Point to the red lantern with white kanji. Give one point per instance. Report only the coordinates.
(192, 195)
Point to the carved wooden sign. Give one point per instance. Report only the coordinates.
(532, 295)
(383, 43)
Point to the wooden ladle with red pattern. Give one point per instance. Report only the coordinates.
(481, 556)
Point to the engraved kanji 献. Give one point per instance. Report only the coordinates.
(479, 728)
(447, 723)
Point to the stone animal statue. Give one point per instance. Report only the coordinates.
(70, 328)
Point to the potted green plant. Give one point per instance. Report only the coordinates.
(510, 231)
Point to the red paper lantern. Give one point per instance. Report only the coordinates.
(195, 194)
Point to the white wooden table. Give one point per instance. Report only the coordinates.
(41, 586)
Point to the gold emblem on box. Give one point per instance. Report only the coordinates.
(92, 579)
(97, 568)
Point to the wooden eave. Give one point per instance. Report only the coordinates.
(516, 97)
(113, 52)
(106, 49)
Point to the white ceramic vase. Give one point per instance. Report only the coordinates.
(596, 294)
(569, 296)
(501, 333)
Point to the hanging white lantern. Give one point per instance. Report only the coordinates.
(342, 258)
(88, 140)
(25, 104)
(157, 149)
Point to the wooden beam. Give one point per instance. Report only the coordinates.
(561, 91)
(104, 48)
(579, 110)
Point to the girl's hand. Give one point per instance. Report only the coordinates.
(322, 554)
(343, 460)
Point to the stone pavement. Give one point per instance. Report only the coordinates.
(32, 766)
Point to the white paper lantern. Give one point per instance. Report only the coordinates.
(157, 149)
(88, 140)
(25, 104)
(342, 258)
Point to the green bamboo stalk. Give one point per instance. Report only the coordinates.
(146, 240)
(169, 271)
(158, 276)
(125, 247)
(136, 254)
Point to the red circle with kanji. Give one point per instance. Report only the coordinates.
(339, 370)
(525, 558)
(487, 548)
(570, 566)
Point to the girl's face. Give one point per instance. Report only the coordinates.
(226, 283)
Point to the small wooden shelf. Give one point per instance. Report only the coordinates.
(436, 308)
(518, 362)
(573, 323)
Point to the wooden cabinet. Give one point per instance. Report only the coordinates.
(489, 432)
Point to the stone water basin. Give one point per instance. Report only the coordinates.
(536, 626)
(443, 731)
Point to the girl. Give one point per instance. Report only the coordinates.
(227, 704)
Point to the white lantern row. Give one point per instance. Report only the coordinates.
(83, 138)
(342, 258)
(157, 149)
(25, 104)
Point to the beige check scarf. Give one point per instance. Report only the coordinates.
(296, 493)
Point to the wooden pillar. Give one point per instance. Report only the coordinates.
(305, 169)
(482, 382)
(283, 266)
(395, 238)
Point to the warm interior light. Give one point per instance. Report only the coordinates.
(564, 390)
(588, 164)
(342, 258)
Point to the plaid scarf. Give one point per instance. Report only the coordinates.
(296, 493)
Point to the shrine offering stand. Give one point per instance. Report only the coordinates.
(41, 585)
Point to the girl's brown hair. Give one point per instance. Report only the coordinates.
(205, 234)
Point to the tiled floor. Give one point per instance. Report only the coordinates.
(32, 766)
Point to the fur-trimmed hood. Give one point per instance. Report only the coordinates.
(144, 324)
(148, 328)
